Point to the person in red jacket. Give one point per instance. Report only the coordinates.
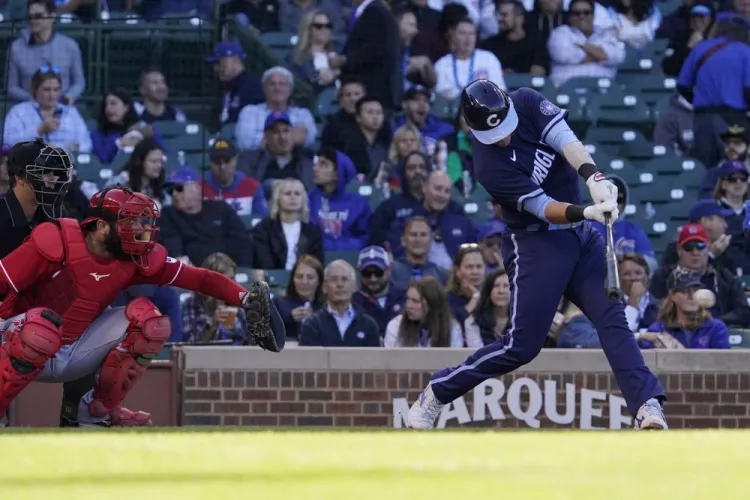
(59, 283)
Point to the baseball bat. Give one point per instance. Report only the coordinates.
(613, 275)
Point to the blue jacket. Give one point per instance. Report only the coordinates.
(630, 238)
(342, 217)
(713, 334)
(105, 148)
(320, 330)
(432, 131)
(394, 304)
(285, 305)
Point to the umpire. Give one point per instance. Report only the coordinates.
(39, 176)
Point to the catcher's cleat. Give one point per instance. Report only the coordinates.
(121, 417)
(263, 321)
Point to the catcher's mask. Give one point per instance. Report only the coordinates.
(50, 176)
(133, 216)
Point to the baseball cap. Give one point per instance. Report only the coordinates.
(735, 131)
(707, 208)
(489, 229)
(23, 154)
(730, 167)
(225, 49)
(373, 256)
(276, 117)
(182, 175)
(681, 279)
(222, 149)
(692, 232)
(416, 90)
(701, 10)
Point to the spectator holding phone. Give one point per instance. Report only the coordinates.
(310, 57)
(46, 117)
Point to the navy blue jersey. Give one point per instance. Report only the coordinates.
(529, 167)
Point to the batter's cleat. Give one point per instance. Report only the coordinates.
(650, 416)
(424, 411)
(122, 417)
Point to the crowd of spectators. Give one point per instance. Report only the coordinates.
(408, 267)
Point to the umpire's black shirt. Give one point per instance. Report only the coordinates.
(14, 226)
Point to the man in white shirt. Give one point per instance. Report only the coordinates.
(579, 49)
(466, 63)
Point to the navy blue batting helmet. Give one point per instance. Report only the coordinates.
(488, 111)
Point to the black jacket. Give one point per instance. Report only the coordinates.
(269, 243)
(321, 330)
(394, 304)
(216, 228)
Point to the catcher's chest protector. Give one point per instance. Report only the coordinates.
(84, 287)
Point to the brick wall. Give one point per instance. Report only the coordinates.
(350, 398)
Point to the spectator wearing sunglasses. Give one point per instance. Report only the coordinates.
(378, 296)
(732, 193)
(712, 217)
(44, 116)
(39, 45)
(310, 57)
(693, 254)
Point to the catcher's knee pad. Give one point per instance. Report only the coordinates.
(26, 350)
(146, 334)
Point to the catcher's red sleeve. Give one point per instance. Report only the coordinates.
(195, 279)
(23, 267)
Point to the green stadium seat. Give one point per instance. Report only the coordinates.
(128, 53)
(244, 276)
(279, 44)
(517, 80)
(227, 130)
(251, 220)
(170, 129)
(326, 103)
(185, 143)
(89, 168)
(277, 280)
(637, 62)
(616, 109)
(652, 87)
(739, 338)
(613, 136)
(373, 195)
(181, 58)
(584, 85)
(642, 151)
(444, 109)
(349, 256)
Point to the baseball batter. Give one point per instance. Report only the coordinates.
(527, 157)
(58, 285)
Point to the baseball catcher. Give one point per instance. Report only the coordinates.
(58, 285)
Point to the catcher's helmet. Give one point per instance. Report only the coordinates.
(47, 168)
(134, 216)
(488, 111)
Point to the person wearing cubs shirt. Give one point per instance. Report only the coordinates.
(59, 283)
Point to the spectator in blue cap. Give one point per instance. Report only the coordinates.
(239, 88)
(194, 228)
(736, 139)
(378, 296)
(731, 191)
(683, 323)
(489, 236)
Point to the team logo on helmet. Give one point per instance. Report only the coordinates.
(493, 120)
(547, 108)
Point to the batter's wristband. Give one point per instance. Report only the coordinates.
(574, 213)
(587, 170)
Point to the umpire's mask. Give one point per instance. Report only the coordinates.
(50, 176)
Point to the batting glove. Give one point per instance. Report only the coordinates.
(596, 212)
(601, 189)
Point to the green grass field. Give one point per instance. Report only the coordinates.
(374, 465)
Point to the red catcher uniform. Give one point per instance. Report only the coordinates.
(56, 288)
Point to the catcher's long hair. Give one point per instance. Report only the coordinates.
(668, 314)
(437, 319)
(221, 263)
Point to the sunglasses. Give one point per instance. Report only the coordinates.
(322, 26)
(692, 245)
(178, 188)
(737, 178)
(39, 16)
(49, 69)
(581, 13)
(370, 272)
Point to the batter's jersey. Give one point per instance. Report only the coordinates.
(528, 167)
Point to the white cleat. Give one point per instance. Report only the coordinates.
(424, 411)
(650, 416)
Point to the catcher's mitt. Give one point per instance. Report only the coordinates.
(263, 321)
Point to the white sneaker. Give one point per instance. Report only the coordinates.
(650, 416)
(424, 411)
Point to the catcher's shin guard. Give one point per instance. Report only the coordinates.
(146, 335)
(264, 323)
(26, 349)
